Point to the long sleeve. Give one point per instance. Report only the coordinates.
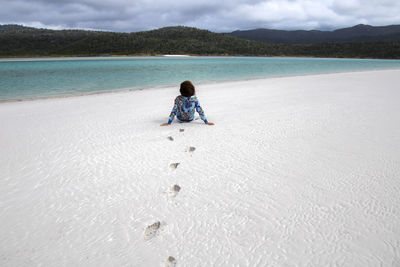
(173, 112)
(200, 111)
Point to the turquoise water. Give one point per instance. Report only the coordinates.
(25, 79)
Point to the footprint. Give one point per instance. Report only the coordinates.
(174, 165)
(181, 130)
(174, 191)
(151, 231)
(192, 148)
(170, 138)
(171, 262)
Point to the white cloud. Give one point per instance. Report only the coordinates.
(220, 16)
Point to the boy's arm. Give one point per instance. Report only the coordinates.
(173, 112)
(200, 111)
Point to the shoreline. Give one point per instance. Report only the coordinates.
(129, 90)
(55, 58)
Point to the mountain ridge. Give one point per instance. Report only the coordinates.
(357, 33)
(21, 41)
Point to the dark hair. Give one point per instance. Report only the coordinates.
(187, 89)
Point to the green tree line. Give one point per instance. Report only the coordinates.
(19, 41)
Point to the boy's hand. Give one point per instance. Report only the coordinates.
(164, 124)
(210, 123)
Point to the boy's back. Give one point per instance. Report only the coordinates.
(184, 109)
(185, 104)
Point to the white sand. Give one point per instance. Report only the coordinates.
(300, 171)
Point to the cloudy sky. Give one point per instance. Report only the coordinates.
(214, 15)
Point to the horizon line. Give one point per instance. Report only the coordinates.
(174, 26)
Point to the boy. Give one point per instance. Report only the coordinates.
(185, 104)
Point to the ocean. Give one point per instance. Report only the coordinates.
(22, 79)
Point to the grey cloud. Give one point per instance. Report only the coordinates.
(220, 16)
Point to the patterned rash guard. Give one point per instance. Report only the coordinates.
(184, 109)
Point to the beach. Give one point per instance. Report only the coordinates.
(296, 171)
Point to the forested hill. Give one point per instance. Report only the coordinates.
(23, 41)
(358, 33)
(20, 41)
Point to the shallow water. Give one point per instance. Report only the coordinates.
(51, 77)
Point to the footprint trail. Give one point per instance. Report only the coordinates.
(171, 262)
(174, 165)
(151, 231)
(174, 191)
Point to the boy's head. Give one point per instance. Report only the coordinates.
(187, 89)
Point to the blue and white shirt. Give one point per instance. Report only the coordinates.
(184, 109)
